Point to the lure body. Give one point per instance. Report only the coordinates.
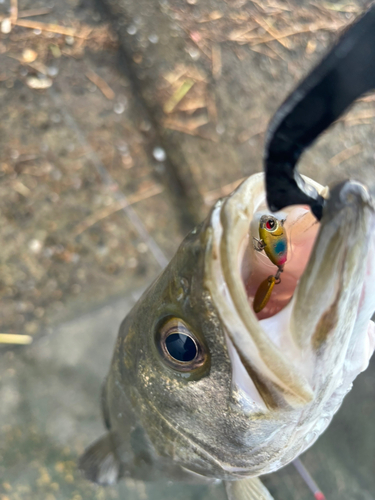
(273, 238)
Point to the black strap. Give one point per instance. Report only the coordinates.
(346, 72)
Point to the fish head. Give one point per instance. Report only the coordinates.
(171, 358)
(223, 391)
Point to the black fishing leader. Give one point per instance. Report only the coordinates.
(345, 73)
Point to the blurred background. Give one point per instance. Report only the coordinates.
(121, 123)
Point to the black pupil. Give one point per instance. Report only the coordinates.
(181, 347)
(271, 223)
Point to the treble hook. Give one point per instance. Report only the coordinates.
(346, 72)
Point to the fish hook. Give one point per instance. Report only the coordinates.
(346, 72)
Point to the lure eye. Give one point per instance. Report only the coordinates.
(179, 346)
(270, 224)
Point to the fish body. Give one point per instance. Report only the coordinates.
(254, 391)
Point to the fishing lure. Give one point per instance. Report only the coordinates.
(273, 240)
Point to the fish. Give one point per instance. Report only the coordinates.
(201, 387)
(249, 393)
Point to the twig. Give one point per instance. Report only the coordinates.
(178, 95)
(115, 207)
(211, 108)
(181, 127)
(21, 188)
(52, 28)
(14, 338)
(101, 84)
(367, 98)
(257, 129)
(192, 104)
(255, 40)
(346, 154)
(190, 125)
(265, 51)
(13, 11)
(216, 60)
(33, 12)
(360, 117)
(272, 31)
(339, 7)
(211, 196)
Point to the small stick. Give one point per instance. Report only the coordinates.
(116, 207)
(216, 60)
(359, 117)
(101, 84)
(178, 95)
(53, 28)
(271, 31)
(313, 487)
(255, 40)
(191, 124)
(33, 12)
(346, 154)
(13, 11)
(15, 338)
(210, 196)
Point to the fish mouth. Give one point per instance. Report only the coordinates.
(301, 229)
(272, 354)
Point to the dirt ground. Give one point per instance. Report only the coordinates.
(121, 122)
(73, 157)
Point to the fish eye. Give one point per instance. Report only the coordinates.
(179, 347)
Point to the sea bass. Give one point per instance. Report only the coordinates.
(204, 384)
(241, 394)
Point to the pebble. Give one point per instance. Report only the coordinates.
(35, 245)
(220, 129)
(153, 38)
(38, 83)
(29, 55)
(52, 71)
(6, 26)
(132, 30)
(132, 263)
(119, 108)
(123, 148)
(194, 53)
(159, 154)
(142, 247)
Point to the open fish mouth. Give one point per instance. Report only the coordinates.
(315, 316)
